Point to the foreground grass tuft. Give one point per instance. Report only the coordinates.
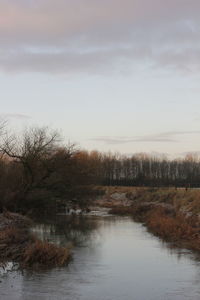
(45, 254)
(17, 244)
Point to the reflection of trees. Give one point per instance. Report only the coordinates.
(75, 230)
(179, 251)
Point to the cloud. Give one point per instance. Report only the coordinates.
(66, 36)
(169, 137)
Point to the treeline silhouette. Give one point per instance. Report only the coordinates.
(146, 170)
(37, 171)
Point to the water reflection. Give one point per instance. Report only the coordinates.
(114, 259)
(63, 230)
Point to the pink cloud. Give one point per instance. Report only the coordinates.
(56, 35)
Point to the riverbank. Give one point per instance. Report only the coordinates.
(172, 214)
(19, 245)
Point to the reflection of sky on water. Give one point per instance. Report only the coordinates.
(115, 259)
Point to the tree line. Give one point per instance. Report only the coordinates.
(38, 171)
(146, 170)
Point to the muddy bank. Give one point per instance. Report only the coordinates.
(19, 245)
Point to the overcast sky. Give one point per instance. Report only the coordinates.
(120, 75)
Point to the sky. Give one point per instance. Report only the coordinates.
(111, 75)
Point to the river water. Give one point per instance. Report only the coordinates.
(114, 258)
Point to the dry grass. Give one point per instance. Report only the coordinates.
(176, 229)
(12, 243)
(185, 201)
(8, 219)
(170, 214)
(163, 222)
(45, 254)
(18, 245)
(140, 210)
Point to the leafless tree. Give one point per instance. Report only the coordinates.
(32, 151)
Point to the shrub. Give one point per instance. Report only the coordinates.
(45, 254)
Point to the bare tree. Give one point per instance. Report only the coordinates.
(3, 124)
(32, 150)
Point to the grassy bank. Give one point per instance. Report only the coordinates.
(182, 200)
(18, 245)
(171, 214)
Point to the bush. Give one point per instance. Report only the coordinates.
(45, 254)
(17, 244)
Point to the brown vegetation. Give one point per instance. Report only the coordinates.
(17, 244)
(45, 254)
(176, 229)
(173, 215)
(181, 200)
(40, 173)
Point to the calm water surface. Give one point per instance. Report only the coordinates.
(114, 258)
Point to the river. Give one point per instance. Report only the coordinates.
(114, 258)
